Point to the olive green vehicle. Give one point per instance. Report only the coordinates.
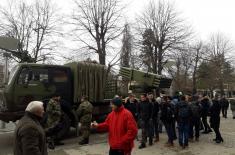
(28, 82)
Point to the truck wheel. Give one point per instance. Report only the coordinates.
(65, 128)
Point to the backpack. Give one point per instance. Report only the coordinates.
(183, 111)
(169, 113)
(196, 110)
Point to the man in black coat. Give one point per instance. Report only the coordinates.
(224, 105)
(215, 118)
(131, 105)
(167, 118)
(29, 135)
(145, 114)
(196, 109)
(183, 115)
(155, 115)
(205, 102)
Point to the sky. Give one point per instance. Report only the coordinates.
(205, 16)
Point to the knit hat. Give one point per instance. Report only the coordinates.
(117, 102)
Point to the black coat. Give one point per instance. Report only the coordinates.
(132, 107)
(167, 113)
(205, 106)
(145, 110)
(29, 137)
(215, 114)
(155, 108)
(224, 103)
(181, 105)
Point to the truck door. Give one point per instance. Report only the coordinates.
(31, 85)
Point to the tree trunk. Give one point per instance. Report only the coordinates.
(194, 81)
(102, 58)
(159, 62)
(221, 88)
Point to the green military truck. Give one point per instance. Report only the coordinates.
(28, 82)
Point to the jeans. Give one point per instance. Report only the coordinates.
(194, 126)
(170, 131)
(183, 133)
(147, 131)
(155, 124)
(224, 111)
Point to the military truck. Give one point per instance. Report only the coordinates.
(144, 82)
(28, 82)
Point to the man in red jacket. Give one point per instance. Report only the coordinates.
(122, 129)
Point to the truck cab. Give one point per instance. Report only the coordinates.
(28, 82)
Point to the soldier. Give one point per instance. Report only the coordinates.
(54, 125)
(84, 113)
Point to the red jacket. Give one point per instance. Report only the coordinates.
(122, 129)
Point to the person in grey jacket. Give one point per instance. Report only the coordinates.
(29, 136)
(232, 106)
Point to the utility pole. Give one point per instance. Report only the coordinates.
(6, 56)
(10, 44)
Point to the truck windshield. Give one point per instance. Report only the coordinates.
(12, 73)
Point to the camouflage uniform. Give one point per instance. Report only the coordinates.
(84, 113)
(54, 113)
(54, 125)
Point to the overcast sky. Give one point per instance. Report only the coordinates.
(205, 16)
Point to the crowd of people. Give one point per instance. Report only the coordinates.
(187, 114)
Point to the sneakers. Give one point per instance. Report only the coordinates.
(142, 146)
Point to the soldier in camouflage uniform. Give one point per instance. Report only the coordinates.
(53, 126)
(84, 113)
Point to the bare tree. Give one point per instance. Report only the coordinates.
(34, 25)
(97, 23)
(198, 53)
(218, 48)
(186, 59)
(169, 31)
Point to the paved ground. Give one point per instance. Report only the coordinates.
(99, 144)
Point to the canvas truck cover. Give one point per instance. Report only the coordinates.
(89, 79)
